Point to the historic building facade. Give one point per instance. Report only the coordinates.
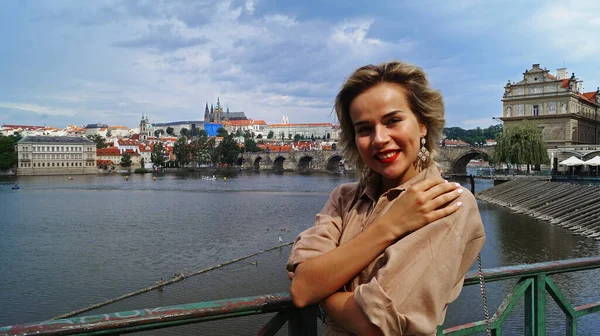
(216, 115)
(146, 129)
(54, 155)
(557, 104)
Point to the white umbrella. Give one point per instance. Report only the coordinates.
(593, 162)
(572, 161)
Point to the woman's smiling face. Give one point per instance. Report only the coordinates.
(387, 132)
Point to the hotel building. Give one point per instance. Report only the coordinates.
(48, 155)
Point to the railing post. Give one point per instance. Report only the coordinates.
(303, 322)
(535, 307)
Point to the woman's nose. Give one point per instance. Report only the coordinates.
(380, 136)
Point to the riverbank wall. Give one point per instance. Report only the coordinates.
(572, 206)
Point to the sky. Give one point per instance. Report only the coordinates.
(72, 62)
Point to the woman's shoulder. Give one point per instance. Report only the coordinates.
(346, 194)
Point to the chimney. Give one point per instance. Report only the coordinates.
(561, 73)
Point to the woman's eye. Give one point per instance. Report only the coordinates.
(362, 130)
(393, 121)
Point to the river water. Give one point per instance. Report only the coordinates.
(66, 244)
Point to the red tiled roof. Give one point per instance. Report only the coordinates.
(131, 152)
(590, 96)
(145, 148)
(551, 77)
(104, 162)
(127, 142)
(565, 83)
(23, 127)
(135, 136)
(108, 151)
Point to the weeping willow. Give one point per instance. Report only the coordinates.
(521, 144)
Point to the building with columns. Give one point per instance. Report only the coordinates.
(54, 155)
(557, 104)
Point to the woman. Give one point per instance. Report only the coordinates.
(389, 253)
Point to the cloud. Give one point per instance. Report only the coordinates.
(38, 109)
(569, 27)
(167, 36)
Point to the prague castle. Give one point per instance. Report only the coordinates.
(557, 104)
(216, 115)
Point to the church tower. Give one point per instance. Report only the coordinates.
(144, 128)
(218, 112)
(206, 114)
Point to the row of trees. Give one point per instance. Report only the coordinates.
(204, 150)
(473, 136)
(8, 154)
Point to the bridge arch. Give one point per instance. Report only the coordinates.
(305, 164)
(459, 165)
(590, 155)
(257, 162)
(569, 153)
(333, 163)
(278, 163)
(240, 161)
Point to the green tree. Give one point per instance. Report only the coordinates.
(238, 133)
(158, 154)
(270, 135)
(202, 150)
(98, 139)
(170, 131)
(250, 146)
(289, 136)
(142, 163)
(126, 160)
(8, 154)
(184, 132)
(159, 132)
(259, 136)
(228, 150)
(15, 137)
(181, 149)
(297, 137)
(221, 132)
(108, 134)
(521, 144)
(202, 133)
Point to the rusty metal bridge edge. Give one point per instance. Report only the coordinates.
(533, 284)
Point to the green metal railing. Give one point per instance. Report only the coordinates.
(533, 283)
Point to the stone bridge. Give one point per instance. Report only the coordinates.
(302, 161)
(453, 160)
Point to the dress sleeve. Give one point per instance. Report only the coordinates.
(322, 237)
(423, 273)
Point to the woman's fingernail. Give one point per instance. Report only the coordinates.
(460, 191)
(457, 184)
(458, 204)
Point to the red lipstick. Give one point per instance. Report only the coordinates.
(390, 159)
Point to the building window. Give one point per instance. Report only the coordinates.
(535, 110)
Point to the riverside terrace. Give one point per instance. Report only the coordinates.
(453, 160)
(533, 282)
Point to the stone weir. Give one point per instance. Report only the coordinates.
(571, 206)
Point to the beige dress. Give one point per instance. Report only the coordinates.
(406, 290)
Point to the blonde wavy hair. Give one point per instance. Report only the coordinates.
(425, 102)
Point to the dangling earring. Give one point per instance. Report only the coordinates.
(423, 152)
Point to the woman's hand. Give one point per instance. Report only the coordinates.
(421, 204)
